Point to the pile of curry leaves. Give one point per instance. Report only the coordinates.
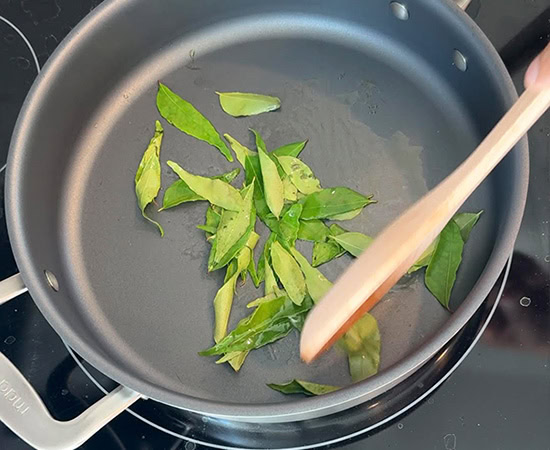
(281, 191)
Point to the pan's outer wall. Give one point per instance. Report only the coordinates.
(116, 36)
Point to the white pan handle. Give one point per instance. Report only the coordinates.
(12, 287)
(22, 410)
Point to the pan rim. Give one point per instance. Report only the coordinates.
(280, 412)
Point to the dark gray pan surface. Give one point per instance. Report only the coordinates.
(385, 111)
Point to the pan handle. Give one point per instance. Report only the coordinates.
(12, 287)
(23, 412)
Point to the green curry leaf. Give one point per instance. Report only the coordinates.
(253, 172)
(316, 283)
(362, 344)
(290, 192)
(269, 322)
(425, 257)
(466, 221)
(179, 192)
(273, 186)
(333, 201)
(266, 252)
(213, 216)
(289, 225)
(289, 273)
(147, 179)
(270, 285)
(224, 298)
(216, 191)
(241, 152)
(185, 117)
(235, 359)
(293, 149)
(264, 299)
(234, 224)
(353, 242)
(347, 216)
(303, 387)
(324, 252)
(313, 230)
(300, 174)
(441, 273)
(239, 104)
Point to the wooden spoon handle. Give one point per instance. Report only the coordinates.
(396, 249)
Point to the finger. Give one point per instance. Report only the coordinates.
(538, 73)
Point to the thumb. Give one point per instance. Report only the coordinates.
(538, 73)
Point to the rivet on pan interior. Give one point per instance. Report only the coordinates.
(52, 280)
(399, 10)
(459, 60)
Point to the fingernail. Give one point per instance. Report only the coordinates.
(532, 73)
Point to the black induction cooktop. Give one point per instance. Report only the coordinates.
(498, 398)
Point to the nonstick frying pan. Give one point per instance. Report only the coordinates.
(392, 97)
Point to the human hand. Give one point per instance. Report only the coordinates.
(538, 73)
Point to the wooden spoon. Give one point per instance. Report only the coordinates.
(396, 249)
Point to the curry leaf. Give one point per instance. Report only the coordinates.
(280, 170)
(265, 254)
(217, 192)
(441, 273)
(273, 186)
(233, 224)
(324, 252)
(353, 242)
(300, 174)
(290, 192)
(466, 221)
(289, 273)
(253, 172)
(185, 117)
(347, 216)
(333, 201)
(210, 230)
(289, 225)
(293, 149)
(264, 299)
(239, 104)
(253, 272)
(222, 307)
(231, 253)
(316, 283)
(147, 179)
(250, 267)
(336, 230)
(179, 192)
(241, 152)
(224, 298)
(269, 322)
(239, 264)
(235, 359)
(425, 257)
(270, 284)
(212, 221)
(362, 344)
(313, 230)
(303, 387)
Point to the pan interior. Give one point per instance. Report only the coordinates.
(379, 119)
